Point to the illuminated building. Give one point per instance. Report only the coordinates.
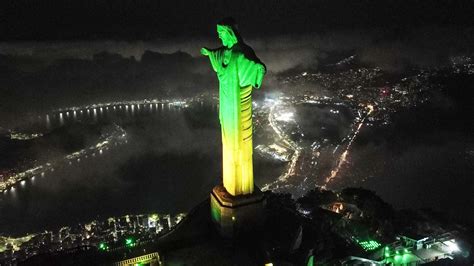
(148, 259)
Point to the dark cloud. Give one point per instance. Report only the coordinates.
(127, 20)
(39, 76)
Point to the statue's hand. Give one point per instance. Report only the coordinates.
(260, 74)
(204, 51)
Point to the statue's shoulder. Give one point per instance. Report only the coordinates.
(247, 52)
(243, 48)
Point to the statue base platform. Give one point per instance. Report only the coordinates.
(237, 216)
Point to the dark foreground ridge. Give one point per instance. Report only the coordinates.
(349, 227)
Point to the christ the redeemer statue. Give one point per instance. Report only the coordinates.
(238, 70)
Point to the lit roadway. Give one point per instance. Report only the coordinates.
(285, 139)
(343, 158)
(94, 111)
(302, 163)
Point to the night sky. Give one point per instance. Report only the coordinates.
(148, 19)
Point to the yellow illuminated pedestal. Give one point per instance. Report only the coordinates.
(237, 215)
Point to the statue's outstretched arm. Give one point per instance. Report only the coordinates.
(215, 56)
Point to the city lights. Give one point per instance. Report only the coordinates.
(285, 117)
(284, 143)
(343, 158)
(451, 245)
(117, 135)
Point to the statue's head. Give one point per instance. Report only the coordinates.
(227, 31)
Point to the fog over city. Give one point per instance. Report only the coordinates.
(53, 74)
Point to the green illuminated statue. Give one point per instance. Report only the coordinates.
(238, 70)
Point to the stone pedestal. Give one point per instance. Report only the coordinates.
(236, 216)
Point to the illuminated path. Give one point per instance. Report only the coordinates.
(118, 136)
(343, 158)
(95, 111)
(296, 151)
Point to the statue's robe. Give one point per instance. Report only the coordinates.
(238, 71)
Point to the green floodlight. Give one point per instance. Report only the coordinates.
(130, 242)
(369, 245)
(153, 217)
(405, 258)
(103, 246)
(398, 258)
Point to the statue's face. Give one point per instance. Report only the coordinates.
(226, 34)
